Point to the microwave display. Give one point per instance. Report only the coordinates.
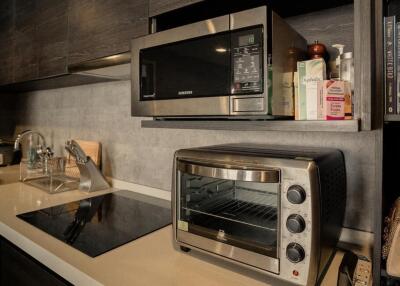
(239, 213)
(215, 65)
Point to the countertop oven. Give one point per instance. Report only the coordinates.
(277, 210)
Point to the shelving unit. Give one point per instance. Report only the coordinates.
(359, 26)
(355, 31)
(266, 125)
(392, 117)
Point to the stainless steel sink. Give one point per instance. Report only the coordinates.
(54, 184)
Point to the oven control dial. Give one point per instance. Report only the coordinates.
(295, 252)
(295, 223)
(296, 194)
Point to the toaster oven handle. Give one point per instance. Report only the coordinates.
(228, 173)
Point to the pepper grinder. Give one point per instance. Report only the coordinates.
(317, 51)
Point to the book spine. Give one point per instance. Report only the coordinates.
(390, 82)
(397, 67)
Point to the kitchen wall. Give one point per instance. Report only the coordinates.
(101, 112)
(7, 107)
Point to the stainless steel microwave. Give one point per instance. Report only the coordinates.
(275, 209)
(235, 65)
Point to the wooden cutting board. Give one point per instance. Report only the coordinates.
(91, 149)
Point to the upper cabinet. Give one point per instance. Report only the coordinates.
(39, 40)
(51, 37)
(25, 57)
(6, 43)
(102, 28)
(157, 7)
(41, 37)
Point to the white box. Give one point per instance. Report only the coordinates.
(309, 74)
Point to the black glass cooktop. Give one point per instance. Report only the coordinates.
(99, 224)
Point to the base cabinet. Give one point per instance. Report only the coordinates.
(19, 269)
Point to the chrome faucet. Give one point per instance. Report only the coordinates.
(44, 153)
(23, 134)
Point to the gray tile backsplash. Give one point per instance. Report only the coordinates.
(101, 112)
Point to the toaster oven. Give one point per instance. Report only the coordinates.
(232, 66)
(273, 209)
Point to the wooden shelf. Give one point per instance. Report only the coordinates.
(257, 125)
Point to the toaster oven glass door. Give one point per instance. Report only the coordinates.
(240, 213)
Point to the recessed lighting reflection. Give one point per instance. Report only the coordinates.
(220, 50)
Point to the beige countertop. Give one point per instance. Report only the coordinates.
(9, 174)
(150, 260)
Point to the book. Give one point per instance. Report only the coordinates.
(397, 65)
(390, 72)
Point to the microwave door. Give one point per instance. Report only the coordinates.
(193, 68)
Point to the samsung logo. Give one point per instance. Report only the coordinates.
(185, 92)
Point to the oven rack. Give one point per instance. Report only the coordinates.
(242, 212)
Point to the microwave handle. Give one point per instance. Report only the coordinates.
(248, 175)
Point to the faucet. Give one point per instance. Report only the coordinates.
(23, 134)
(44, 153)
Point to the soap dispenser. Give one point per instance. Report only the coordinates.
(335, 72)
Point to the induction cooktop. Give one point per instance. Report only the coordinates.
(102, 223)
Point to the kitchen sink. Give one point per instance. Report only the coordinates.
(54, 184)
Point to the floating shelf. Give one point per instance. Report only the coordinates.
(392, 117)
(257, 125)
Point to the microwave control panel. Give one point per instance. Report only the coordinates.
(247, 61)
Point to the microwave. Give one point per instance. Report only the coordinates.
(232, 66)
(277, 210)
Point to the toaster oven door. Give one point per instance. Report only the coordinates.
(231, 212)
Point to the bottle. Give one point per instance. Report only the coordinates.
(347, 68)
(335, 68)
(32, 156)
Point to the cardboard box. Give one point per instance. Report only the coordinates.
(334, 100)
(284, 103)
(296, 95)
(309, 74)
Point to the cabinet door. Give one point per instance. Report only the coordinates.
(7, 41)
(157, 7)
(101, 28)
(25, 57)
(19, 269)
(51, 37)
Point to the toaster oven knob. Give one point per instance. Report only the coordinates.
(295, 252)
(295, 223)
(296, 194)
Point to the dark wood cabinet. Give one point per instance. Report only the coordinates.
(25, 57)
(101, 28)
(19, 269)
(51, 35)
(7, 42)
(41, 37)
(157, 7)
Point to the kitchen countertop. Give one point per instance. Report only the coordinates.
(9, 174)
(150, 260)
